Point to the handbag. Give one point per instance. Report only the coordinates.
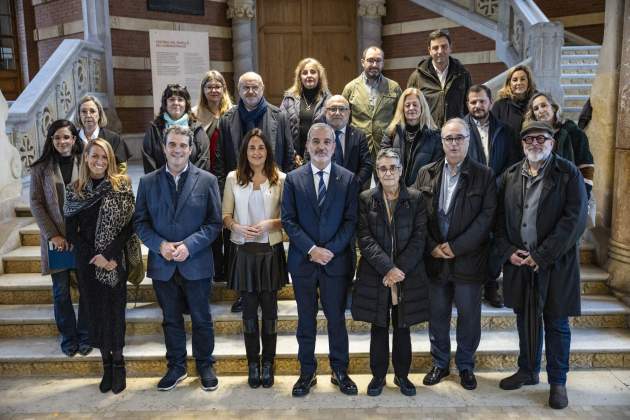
(134, 263)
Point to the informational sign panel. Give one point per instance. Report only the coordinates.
(178, 57)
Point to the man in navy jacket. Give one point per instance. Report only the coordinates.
(178, 216)
(493, 144)
(319, 213)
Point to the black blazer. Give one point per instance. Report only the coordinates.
(121, 151)
(357, 158)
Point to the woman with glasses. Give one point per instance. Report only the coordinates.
(304, 102)
(413, 134)
(391, 283)
(175, 109)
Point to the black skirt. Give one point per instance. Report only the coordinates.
(256, 267)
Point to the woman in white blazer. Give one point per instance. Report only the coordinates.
(257, 267)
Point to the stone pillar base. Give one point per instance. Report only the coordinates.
(619, 268)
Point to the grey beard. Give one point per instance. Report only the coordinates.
(537, 157)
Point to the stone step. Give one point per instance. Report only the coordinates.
(146, 318)
(581, 50)
(33, 288)
(577, 89)
(498, 350)
(579, 68)
(576, 78)
(23, 210)
(580, 58)
(574, 101)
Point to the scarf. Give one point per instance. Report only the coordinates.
(250, 119)
(182, 121)
(116, 210)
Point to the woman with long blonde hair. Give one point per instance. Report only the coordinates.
(304, 102)
(516, 92)
(413, 134)
(98, 208)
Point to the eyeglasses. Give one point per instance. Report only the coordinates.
(254, 89)
(383, 170)
(454, 139)
(538, 139)
(339, 109)
(214, 87)
(374, 60)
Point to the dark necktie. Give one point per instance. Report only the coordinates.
(338, 149)
(321, 189)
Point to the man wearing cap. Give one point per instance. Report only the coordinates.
(541, 215)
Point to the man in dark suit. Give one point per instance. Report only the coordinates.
(178, 215)
(351, 148)
(460, 195)
(493, 144)
(252, 110)
(320, 251)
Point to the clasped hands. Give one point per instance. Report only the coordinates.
(321, 255)
(102, 262)
(252, 231)
(443, 251)
(174, 251)
(522, 257)
(393, 276)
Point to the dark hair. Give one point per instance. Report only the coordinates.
(244, 172)
(173, 90)
(178, 129)
(49, 151)
(440, 33)
(479, 89)
(372, 47)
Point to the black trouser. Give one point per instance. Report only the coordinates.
(268, 302)
(379, 348)
(218, 258)
(494, 267)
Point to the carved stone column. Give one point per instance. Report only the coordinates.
(370, 26)
(243, 14)
(545, 47)
(619, 246)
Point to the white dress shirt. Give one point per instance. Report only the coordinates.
(92, 137)
(441, 74)
(484, 132)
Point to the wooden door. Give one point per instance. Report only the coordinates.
(289, 30)
(10, 80)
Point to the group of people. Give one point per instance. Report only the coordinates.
(462, 189)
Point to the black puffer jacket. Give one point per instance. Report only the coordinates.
(473, 207)
(384, 247)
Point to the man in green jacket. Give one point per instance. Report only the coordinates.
(442, 79)
(373, 98)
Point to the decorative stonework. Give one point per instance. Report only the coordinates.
(64, 98)
(517, 37)
(487, 8)
(241, 9)
(371, 8)
(26, 149)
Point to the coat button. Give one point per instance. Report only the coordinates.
(524, 224)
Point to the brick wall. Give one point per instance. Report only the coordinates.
(51, 14)
(134, 42)
(575, 13)
(412, 44)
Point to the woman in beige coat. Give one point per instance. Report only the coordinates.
(57, 167)
(257, 267)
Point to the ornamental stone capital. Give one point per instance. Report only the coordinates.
(371, 8)
(241, 9)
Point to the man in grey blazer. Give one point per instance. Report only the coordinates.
(178, 216)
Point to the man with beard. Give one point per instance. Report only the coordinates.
(541, 215)
(442, 79)
(493, 144)
(319, 213)
(252, 111)
(373, 98)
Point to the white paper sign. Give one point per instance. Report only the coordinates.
(178, 57)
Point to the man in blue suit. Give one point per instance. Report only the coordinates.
(319, 213)
(178, 216)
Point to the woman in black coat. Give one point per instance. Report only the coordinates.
(413, 134)
(91, 121)
(391, 279)
(175, 109)
(511, 106)
(98, 208)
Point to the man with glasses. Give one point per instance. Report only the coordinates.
(253, 111)
(540, 218)
(351, 148)
(373, 98)
(460, 196)
(442, 79)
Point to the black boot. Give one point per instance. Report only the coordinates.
(106, 383)
(119, 376)
(268, 337)
(252, 348)
(266, 377)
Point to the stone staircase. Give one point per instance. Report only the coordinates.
(29, 346)
(578, 70)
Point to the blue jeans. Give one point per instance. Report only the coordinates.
(557, 348)
(467, 298)
(72, 333)
(174, 296)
